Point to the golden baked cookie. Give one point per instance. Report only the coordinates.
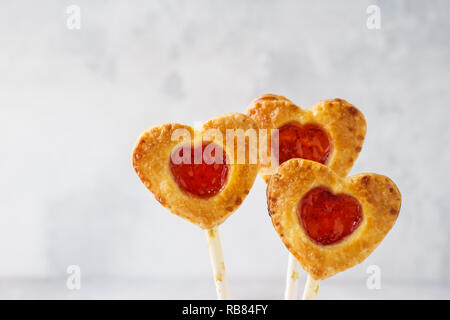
(331, 132)
(330, 223)
(194, 172)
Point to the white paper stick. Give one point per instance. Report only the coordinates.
(217, 263)
(311, 288)
(291, 291)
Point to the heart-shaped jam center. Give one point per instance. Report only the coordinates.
(200, 170)
(328, 218)
(307, 141)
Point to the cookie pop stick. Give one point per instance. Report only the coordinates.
(311, 288)
(291, 291)
(331, 132)
(218, 264)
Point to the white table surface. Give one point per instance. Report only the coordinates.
(122, 288)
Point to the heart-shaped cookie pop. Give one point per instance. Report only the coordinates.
(331, 132)
(194, 172)
(327, 222)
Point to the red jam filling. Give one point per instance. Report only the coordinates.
(204, 178)
(328, 218)
(307, 141)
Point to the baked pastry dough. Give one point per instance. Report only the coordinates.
(288, 193)
(152, 163)
(344, 125)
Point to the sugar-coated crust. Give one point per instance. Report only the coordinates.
(378, 195)
(151, 157)
(344, 123)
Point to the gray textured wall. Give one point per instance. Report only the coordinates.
(72, 103)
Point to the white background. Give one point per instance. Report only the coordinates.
(72, 103)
